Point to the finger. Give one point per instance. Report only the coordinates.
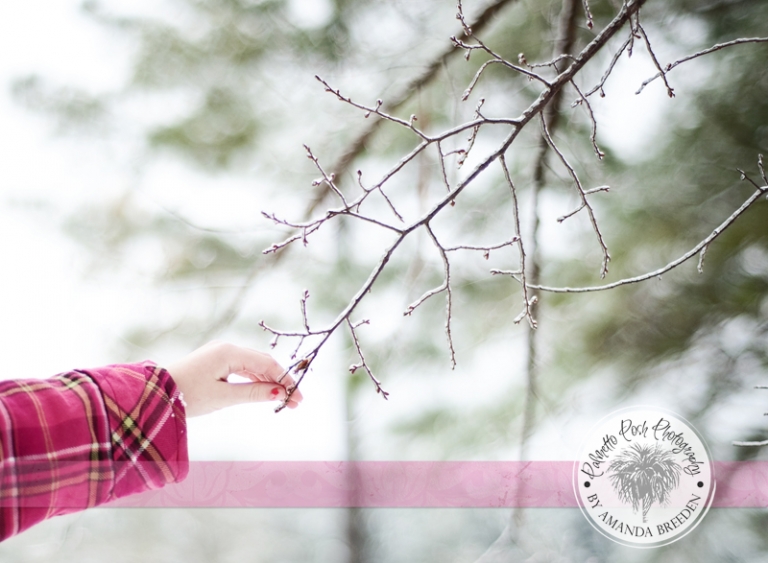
(286, 381)
(240, 359)
(239, 393)
(258, 366)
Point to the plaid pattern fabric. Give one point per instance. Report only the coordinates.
(86, 437)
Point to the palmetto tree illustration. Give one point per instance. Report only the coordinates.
(643, 474)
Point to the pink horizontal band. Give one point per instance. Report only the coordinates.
(409, 484)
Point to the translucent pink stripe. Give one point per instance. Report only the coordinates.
(409, 484)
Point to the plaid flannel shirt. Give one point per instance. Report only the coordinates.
(86, 437)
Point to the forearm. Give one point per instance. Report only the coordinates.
(86, 437)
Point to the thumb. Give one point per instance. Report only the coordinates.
(257, 392)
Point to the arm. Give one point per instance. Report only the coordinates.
(86, 437)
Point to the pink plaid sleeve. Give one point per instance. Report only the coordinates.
(86, 437)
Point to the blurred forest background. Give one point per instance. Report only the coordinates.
(191, 124)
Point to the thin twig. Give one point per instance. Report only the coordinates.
(528, 302)
(486, 250)
(702, 254)
(381, 191)
(441, 160)
(670, 91)
(712, 49)
(553, 63)
(410, 123)
(363, 364)
(584, 201)
(581, 206)
(590, 21)
(751, 444)
(429, 293)
(496, 59)
(448, 293)
(593, 136)
(609, 70)
(473, 136)
(304, 310)
(327, 178)
(674, 264)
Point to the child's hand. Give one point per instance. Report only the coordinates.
(202, 378)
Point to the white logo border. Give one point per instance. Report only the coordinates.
(576, 481)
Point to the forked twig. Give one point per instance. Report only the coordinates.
(363, 364)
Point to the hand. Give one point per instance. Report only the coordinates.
(202, 378)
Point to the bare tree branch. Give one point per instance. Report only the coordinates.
(545, 107)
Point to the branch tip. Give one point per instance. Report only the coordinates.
(588, 13)
(702, 254)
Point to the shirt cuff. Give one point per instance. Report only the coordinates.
(147, 421)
